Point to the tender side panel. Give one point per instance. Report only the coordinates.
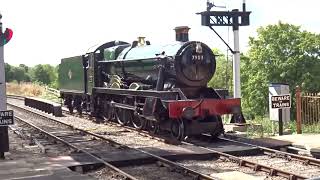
(71, 75)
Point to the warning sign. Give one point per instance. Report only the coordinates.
(6, 118)
(281, 101)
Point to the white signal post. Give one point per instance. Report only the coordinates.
(236, 56)
(234, 18)
(236, 64)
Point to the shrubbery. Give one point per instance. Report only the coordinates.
(41, 74)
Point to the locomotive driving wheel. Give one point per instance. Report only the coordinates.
(79, 109)
(107, 112)
(69, 103)
(138, 122)
(219, 128)
(178, 128)
(77, 104)
(70, 108)
(122, 116)
(153, 127)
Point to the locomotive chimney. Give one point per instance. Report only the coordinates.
(141, 41)
(182, 34)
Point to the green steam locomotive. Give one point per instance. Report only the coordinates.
(153, 87)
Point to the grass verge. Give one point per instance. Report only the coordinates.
(31, 90)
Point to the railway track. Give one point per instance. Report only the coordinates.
(281, 154)
(15, 97)
(71, 137)
(272, 161)
(265, 154)
(242, 161)
(53, 133)
(265, 150)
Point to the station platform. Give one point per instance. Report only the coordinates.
(310, 142)
(39, 168)
(235, 175)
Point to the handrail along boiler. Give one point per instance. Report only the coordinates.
(148, 86)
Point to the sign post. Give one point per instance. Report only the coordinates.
(280, 102)
(6, 117)
(280, 123)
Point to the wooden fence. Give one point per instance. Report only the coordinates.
(53, 91)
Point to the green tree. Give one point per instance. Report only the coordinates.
(222, 78)
(44, 74)
(281, 53)
(54, 83)
(8, 72)
(25, 67)
(19, 74)
(27, 76)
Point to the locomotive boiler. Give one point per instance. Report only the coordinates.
(153, 87)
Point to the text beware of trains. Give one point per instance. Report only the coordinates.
(282, 101)
(6, 118)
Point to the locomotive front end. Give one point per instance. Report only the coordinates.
(195, 64)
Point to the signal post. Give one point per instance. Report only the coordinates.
(6, 117)
(234, 18)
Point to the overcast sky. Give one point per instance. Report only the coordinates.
(46, 31)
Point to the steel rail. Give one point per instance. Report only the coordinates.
(268, 151)
(15, 97)
(177, 166)
(256, 166)
(140, 132)
(78, 149)
(304, 159)
(17, 132)
(241, 162)
(65, 124)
